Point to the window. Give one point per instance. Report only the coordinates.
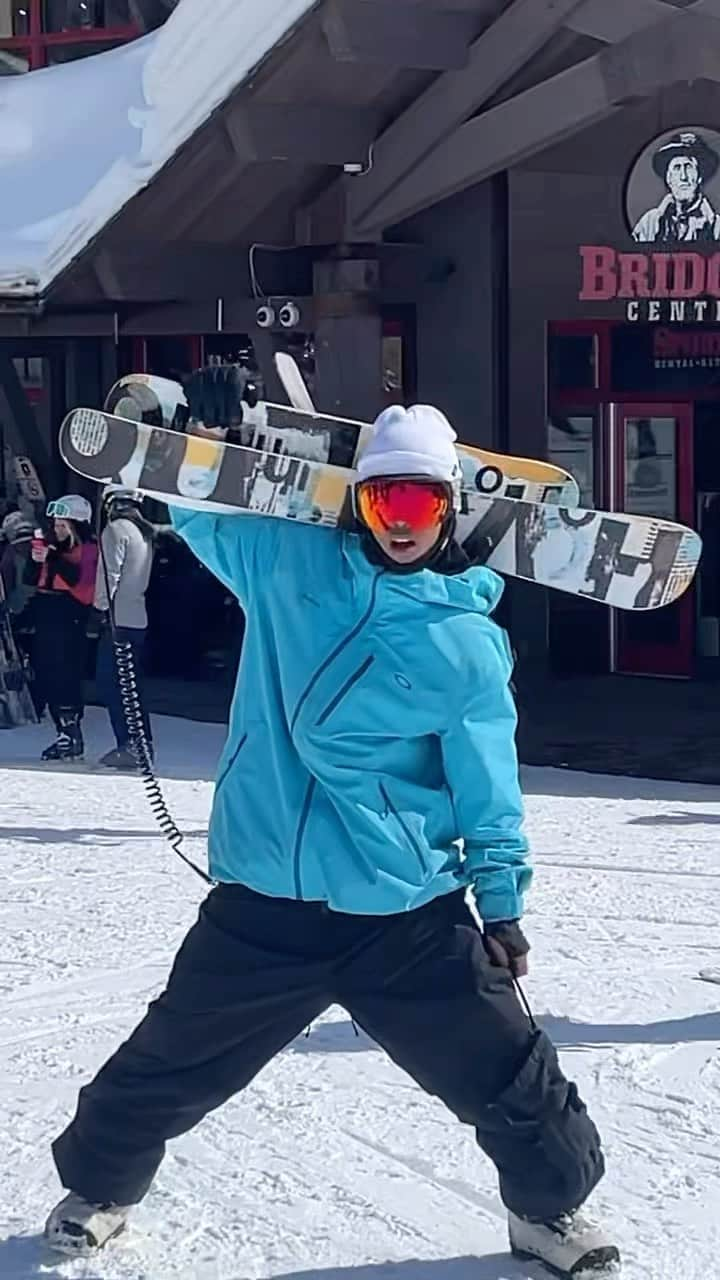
(571, 445)
(71, 52)
(650, 467)
(78, 15)
(14, 18)
(572, 362)
(34, 33)
(14, 61)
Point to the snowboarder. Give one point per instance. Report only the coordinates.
(371, 731)
(66, 563)
(123, 576)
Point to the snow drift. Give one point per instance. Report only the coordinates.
(78, 141)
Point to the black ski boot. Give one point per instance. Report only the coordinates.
(69, 743)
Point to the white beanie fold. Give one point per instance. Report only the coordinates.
(411, 442)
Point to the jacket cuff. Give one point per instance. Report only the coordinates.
(507, 903)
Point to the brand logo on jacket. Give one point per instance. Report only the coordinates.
(672, 202)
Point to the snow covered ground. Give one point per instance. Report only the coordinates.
(334, 1166)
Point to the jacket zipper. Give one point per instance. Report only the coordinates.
(300, 834)
(230, 762)
(344, 690)
(337, 651)
(405, 829)
(301, 703)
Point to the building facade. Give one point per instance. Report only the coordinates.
(512, 209)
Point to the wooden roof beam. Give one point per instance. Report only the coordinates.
(146, 271)
(391, 35)
(505, 47)
(306, 133)
(480, 9)
(615, 20)
(681, 49)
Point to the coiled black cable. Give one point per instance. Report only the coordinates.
(139, 745)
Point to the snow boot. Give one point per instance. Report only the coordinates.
(570, 1246)
(69, 743)
(120, 758)
(81, 1229)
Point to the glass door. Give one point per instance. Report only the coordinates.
(651, 460)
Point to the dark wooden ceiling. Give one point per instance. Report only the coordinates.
(424, 96)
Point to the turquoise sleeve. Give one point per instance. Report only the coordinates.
(481, 767)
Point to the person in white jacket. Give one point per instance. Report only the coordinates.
(123, 576)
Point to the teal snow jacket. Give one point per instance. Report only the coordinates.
(370, 762)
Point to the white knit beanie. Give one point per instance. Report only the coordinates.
(411, 442)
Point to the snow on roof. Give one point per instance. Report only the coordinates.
(79, 140)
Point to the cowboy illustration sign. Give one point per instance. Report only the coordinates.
(672, 205)
(685, 164)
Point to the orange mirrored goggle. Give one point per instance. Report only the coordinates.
(419, 505)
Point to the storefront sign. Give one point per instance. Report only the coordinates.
(672, 201)
(671, 359)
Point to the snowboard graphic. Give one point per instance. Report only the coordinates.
(629, 562)
(302, 433)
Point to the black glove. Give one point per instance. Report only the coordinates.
(216, 395)
(507, 946)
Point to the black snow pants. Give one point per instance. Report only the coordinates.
(254, 972)
(59, 652)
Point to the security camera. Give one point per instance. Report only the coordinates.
(289, 316)
(265, 316)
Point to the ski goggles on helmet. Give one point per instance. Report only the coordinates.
(69, 509)
(418, 504)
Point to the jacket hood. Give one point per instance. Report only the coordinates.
(474, 590)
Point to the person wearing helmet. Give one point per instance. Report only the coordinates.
(65, 564)
(16, 533)
(123, 576)
(367, 838)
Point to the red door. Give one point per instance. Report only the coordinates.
(652, 474)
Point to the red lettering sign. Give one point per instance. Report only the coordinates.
(634, 268)
(608, 274)
(678, 344)
(599, 280)
(688, 275)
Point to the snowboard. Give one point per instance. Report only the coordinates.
(710, 975)
(303, 433)
(629, 562)
(16, 704)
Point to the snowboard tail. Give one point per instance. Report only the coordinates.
(629, 562)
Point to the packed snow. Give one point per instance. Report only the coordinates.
(62, 181)
(333, 1165)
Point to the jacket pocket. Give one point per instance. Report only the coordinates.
(412, 841)
(231, 762)
(344, 690)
